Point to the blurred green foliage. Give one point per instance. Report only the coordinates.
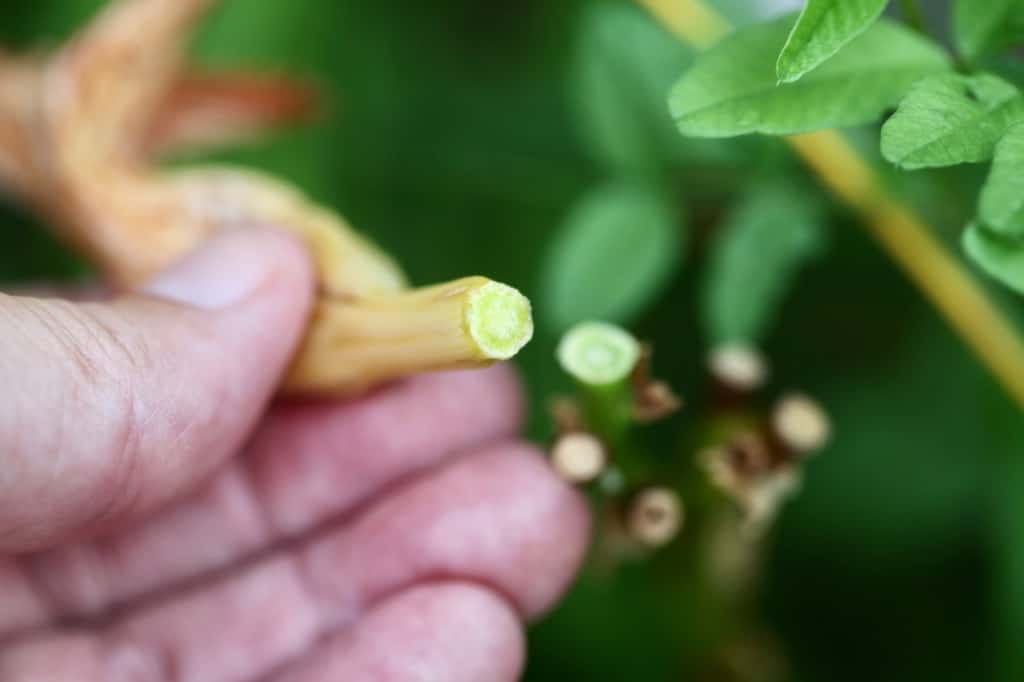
(758, 251)
(733, 87)
(613, 254)
(463, 135)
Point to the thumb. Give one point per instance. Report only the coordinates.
(109, 410)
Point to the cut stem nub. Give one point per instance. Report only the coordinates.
(579, 457)
(655, 517)
(801, 424)
(738, 367)
(598, 354)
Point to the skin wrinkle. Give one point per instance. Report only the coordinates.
(21, 434)
(241, 550)
(197, 657)
(105, 350)
(434, 615)
(95, 339)
(297, 507)
(218, 621)
(21, 590)
(518, 471)
(82, 586)
(392, 545)
(16, 465)
(79, 336)
(497, 407)
(132, 662)
(228, 607)
(257, 512)
(306, 541)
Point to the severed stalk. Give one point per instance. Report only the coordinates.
(600, 357)
(800, 424)
(655, 516)
(78, 134)
(737, 368)
(579, 457)
(351, 346)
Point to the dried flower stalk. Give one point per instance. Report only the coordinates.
(78, 136)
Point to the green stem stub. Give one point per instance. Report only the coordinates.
(598, 354)
(498, 318)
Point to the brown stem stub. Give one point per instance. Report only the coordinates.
(655, 516)
(751, 454)
(652, 399)
(738, 367)
(566, 415)
(800, 424)
(579, 457)
(758, 486)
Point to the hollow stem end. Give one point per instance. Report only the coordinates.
(499, 320)
(598, 354)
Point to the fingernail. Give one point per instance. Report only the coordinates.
(226, 270)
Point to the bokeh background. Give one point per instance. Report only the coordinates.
(463, 134)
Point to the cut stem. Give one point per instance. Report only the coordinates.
(601, 358)
(598, 354)
(738, 367)
(352, 345)
(579, 457)
(800, 424)
(902, 235)
(655, 516)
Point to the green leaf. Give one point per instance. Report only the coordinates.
(613, 254)
(1000, 257)
(948, 119)
(625, 63)
(824, 26)
(755, 258)
(981, 27)
(732, 90)
(1002, 198)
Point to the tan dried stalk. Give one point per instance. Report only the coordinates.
(78, 134)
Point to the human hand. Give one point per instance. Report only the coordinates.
(401, 536)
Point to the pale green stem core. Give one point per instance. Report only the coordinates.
(601, 358)
(499, 320)
(598, 354)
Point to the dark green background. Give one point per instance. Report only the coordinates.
(452, 136)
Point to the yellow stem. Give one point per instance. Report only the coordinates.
(691, 20)
(903, 236)
(354, 344)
